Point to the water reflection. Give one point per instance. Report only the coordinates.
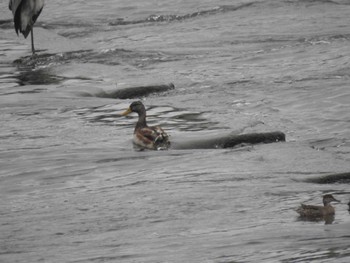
(36, 77)
(171, 18)
(166, 116)
(50, 59)
(33, 70)
(37, 69)
(328, 219)
(113, 56)
(6, 23)
(23, 75)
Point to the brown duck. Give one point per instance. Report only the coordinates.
(315, 211)
(146, 137)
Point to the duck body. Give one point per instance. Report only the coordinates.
(314, 211)
(147, 137)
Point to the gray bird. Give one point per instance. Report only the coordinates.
(25, 13)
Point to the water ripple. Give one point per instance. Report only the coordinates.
(166, 116)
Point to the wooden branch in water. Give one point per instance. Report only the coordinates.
(331, 179)
(230, 141)
(136, 92)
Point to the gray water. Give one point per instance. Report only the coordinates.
(73, 188)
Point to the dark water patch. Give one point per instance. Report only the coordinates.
(62, 24)
(37, 69)
(240, 82)
(108, 258)
(328, 220)
(340, 73)
(339, 37)
(78, 33)
(139, 59)
(121, 159)
(46, 59)
(325, 39)
(230, 141)
(133, 92)
(78, 29)
(32, 70)
(6, 23)
(137, 183)
(103, 114)
(319, 255)
(307, 256)
(341, 178)
(138, 157)
(325, 144)
(36, 77)
(33, 91)
(313, 1)
(172, 18)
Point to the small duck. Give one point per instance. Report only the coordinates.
(153, 138)
(315, 211)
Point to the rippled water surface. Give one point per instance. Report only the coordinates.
(73, 188)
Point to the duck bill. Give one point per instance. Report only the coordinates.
(336, 200)
(126, 112)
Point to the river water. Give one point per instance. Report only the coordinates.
(73, 188)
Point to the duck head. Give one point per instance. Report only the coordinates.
(137, 107)
(327, 199)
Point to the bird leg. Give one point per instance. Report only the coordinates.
(32, 37)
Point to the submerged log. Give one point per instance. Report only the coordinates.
(230, 141)
(136, 92)
(343, 178)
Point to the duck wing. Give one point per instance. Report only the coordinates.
(144, 137)
(312, 207)
(149, 133)
(161, 135)
(310, 210)
(152, 138)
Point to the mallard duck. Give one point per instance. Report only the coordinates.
(153, 138)
(315, 211)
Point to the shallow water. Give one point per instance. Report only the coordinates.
(72, 187)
